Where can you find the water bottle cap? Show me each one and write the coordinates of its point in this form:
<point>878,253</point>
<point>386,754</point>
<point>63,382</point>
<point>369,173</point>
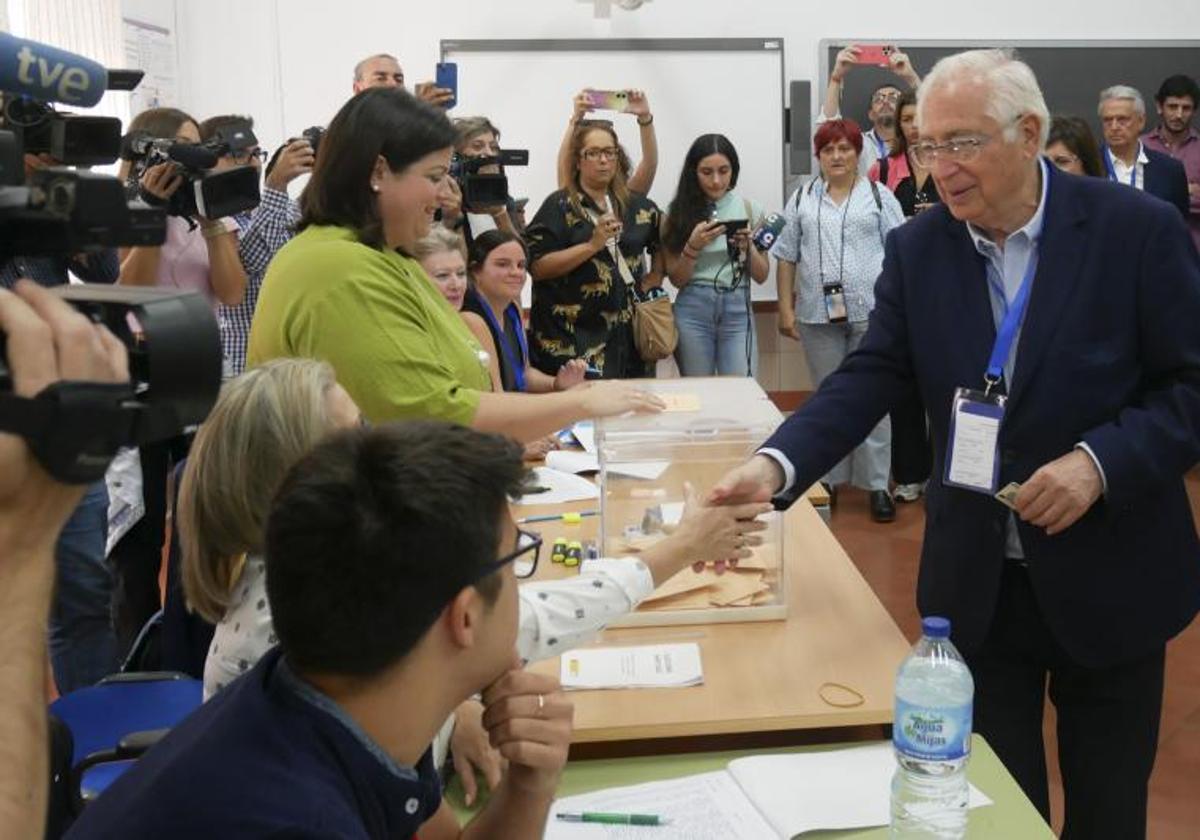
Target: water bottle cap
<point>936,627</point>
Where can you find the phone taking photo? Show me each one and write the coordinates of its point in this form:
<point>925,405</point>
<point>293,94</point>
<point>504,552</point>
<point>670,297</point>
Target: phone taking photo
<point>608,100</point>
<point>446,76</point>
<point>877,54</point>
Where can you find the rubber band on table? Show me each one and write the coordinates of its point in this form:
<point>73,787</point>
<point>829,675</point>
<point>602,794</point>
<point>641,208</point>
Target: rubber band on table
<point>841,704</point>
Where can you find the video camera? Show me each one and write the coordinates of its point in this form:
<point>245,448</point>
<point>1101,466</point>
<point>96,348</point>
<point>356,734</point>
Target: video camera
<point>74,428</point>
<point>61,210</point>
<point>204,192</point>
<point>485,189</point>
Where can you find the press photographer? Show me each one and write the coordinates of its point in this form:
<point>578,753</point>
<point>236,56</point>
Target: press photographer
<point>263,230</point>
<point>480,185</point>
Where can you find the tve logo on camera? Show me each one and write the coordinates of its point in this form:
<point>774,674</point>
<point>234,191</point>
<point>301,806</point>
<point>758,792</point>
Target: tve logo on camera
<point>70,84</point>
<point>48,73</point>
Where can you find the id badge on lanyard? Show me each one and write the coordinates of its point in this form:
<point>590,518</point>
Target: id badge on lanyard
<point>972,461</point>
<point>971,456</point>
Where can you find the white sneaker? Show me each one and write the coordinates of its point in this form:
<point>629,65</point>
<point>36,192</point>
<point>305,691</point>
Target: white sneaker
<point>908,492</point>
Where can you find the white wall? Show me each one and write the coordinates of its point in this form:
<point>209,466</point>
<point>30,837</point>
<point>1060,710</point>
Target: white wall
<point>229,61</point>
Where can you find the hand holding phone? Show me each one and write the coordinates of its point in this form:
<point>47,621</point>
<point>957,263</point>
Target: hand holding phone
<point>877,54</point>
<point>446,78</point>
<point>608,100</point>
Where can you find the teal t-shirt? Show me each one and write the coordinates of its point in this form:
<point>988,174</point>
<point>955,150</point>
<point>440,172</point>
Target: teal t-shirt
<point>712,264</point>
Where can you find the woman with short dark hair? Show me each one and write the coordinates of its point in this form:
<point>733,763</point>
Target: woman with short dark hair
<point>347,290</point>
<point>711,265</point>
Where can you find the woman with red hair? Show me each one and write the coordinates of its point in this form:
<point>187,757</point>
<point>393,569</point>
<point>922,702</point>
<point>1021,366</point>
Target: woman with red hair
<point>829,256</point>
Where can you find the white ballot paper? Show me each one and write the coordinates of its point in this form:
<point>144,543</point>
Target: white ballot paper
<point>557,487</point>
<point>641,666</point>
<point>585,433</point>
<point>761,797</point>
<point>571,461</point>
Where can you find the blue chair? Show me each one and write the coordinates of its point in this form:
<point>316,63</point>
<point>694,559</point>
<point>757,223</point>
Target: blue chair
<point>118,719</point>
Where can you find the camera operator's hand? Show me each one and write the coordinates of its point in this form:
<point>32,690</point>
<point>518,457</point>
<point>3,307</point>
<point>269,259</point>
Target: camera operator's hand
<point>741,238</point>
<point>434,95</point>
<point>295,160</point>
<point>47,341</point>
<point>607,227</point>
<point>162,180</point>
<point>846,59</point>
<point>450,199</point>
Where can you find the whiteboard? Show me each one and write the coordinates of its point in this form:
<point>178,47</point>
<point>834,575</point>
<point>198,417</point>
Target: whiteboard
<point>695,86</point>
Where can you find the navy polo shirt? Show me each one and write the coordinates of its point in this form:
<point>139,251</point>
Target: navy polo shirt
<point>269,756</point>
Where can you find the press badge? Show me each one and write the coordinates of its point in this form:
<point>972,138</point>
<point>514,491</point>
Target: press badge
<point>972,460</point>
<point>835,303</point>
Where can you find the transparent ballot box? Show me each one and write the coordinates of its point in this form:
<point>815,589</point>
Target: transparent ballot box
<point>710,426</point>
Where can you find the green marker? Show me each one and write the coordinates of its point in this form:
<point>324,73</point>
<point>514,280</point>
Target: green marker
<point>613,819</point>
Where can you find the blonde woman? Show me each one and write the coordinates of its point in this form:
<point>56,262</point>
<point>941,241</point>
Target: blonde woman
<point>269,417</point>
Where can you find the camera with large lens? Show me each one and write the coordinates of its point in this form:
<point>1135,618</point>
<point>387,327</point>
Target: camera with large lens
<point>205,191</point>
<point>482,179</point>
<point>74,428</point>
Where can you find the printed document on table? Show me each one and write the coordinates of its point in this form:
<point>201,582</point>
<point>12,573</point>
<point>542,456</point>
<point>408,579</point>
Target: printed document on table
<point>585,433</point>
<point>570,461</point>
<point>708,806</point>
<point>641,666</point>
<point>560,487</point>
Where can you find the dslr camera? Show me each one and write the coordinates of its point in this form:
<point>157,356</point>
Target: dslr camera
<point>482,189</point>
<point>204,192</point>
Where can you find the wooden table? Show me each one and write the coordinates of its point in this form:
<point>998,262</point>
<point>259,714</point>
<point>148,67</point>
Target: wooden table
<point>759,677</point>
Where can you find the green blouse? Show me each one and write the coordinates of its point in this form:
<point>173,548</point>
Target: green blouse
<point>397,346</point>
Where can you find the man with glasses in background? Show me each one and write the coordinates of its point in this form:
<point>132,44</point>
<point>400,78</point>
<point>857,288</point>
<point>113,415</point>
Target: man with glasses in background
<point>882,113</point>
<point>1049,323</point>
<point>261,231</point>
<point>1177,100</point>
<point>1126,159</point>
<point>394,599</point>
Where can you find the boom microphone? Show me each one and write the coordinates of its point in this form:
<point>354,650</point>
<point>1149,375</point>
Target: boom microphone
<point>49,74</point>
<point>768,231</point>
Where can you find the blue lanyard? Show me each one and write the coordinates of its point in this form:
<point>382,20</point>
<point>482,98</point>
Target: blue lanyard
<point>1014,313</point>
<point>880,146</point>
<point>1112,172</point>
<point>511,316</point>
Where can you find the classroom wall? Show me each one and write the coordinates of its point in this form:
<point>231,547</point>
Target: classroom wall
<point>229,59</point>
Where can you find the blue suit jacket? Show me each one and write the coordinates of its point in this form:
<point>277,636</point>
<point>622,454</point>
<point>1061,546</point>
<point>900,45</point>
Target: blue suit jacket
<point>1167,179</point>
<point>1109,354</point>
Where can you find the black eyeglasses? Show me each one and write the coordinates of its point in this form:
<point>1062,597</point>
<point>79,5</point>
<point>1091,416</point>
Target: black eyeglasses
<point>246,158</point>
<point>524,558</point>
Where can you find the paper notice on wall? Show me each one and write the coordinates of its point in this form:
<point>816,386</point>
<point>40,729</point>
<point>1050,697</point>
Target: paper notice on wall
<point>151,48</point>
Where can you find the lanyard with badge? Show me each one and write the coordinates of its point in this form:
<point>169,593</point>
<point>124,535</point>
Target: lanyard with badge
<point>1111,167</point>
<point>976,416</point>
<point>512,319</point>
<point>834,292</point>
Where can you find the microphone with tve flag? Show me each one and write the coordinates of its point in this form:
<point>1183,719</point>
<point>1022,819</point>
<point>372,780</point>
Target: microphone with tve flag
<point>49,74</point>
<point>768,231</point>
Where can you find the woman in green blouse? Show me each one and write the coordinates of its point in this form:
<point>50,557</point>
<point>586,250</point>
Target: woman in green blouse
<point>346,291</point>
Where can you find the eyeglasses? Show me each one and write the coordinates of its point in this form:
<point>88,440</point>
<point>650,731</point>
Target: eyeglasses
<point>597,154</point>
<point>886,96</point>
<point>963,149</point>
<point>524,558</point>
<point>247,157</point>
<point>1064,160</point>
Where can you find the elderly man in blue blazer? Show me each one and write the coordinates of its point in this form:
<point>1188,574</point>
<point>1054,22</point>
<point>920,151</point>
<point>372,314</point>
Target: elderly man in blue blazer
<point>1122,113</point>
<point>1049,322</point>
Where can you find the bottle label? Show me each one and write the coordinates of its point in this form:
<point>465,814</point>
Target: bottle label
<point>932,734</point>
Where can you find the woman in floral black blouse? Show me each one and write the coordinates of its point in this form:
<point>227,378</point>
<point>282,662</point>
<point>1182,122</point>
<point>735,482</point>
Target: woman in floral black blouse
<point>582,307</point>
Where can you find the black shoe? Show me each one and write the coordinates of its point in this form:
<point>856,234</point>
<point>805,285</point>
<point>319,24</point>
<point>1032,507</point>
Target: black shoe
<point>883,509</point>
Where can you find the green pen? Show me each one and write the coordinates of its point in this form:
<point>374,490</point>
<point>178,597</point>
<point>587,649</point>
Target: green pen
<point>613,819</point>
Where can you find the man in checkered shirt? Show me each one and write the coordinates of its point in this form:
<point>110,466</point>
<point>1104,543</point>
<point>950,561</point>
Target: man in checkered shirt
<point>261,231</point>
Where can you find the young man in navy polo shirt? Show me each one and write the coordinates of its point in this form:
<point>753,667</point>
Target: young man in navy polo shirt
<point>390,574</point>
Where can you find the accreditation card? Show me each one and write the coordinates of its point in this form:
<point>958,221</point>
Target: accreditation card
<point>972,456</point>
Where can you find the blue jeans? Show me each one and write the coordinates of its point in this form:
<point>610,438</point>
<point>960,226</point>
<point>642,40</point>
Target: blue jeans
<point>83,646</point>
<point>716,331</point>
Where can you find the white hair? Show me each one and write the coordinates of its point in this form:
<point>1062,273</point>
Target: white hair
<point>1122,92</point>
<point>1012,89</point>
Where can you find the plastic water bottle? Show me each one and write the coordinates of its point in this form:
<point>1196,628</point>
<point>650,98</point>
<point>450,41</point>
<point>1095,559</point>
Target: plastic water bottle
<point>932,738</point>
